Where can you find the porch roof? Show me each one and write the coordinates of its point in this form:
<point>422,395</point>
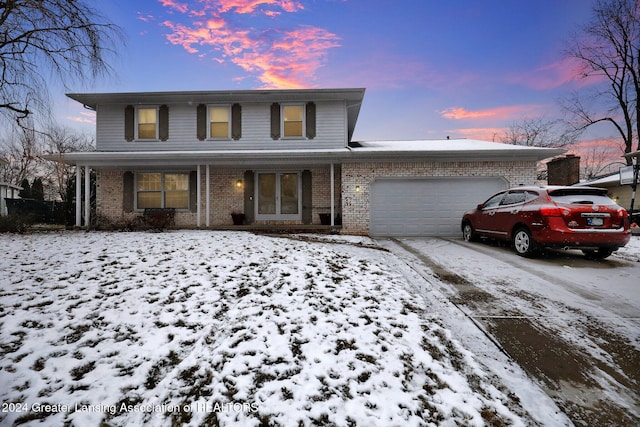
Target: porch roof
<point>365,151</point>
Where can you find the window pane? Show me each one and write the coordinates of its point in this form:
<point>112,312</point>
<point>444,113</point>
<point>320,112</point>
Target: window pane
<point>147,131</point>
<point>176,181</point>
<point>150,199</point>
<point>147,123</point>
<point>219,130</point>
<point>292,120</point>
<point>293,129</point>
<point>147,115</point>
<point>218,122</point>
<point>176,199</point>
<point>293,113</point>
<point>149,181</point>
<point>267,193</point>
<point>289,193</point>
<point>219,114</point>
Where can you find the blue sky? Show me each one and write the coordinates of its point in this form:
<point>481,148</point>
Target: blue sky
<point>432,68</point>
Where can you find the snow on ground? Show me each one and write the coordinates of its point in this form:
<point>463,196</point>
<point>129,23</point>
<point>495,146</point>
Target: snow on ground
<point>231,328</point>
<point>582,315</point>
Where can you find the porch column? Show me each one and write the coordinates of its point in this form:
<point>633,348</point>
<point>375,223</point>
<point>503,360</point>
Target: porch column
<point>87,196</point>
<point>332,174</point>
<point>208,197</point>
<point>199,196</point>
<point>78,195</point>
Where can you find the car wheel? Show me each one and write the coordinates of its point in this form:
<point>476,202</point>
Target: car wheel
<point>523,243</point>
<point>600,253</point>
<point>467,233</point>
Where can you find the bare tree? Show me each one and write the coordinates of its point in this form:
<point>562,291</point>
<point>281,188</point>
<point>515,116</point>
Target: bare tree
<point>63,38</point>
<point>539,132</point>
<point>60,140</point>
<point>21,150</point>
<point>608,50</point>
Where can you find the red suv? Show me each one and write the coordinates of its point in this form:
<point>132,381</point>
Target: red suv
<point>561,217</point>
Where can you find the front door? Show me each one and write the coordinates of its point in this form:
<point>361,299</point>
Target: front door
<point>278,195</point>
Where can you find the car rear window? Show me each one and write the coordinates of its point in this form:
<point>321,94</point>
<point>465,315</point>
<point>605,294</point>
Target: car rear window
<point>587,197</point>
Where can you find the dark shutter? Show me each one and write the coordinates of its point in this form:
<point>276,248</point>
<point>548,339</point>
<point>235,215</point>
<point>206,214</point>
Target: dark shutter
<point>163,122</point>
<point>307,201</point>
<point>249,205</point>
<point>275,121</point>
<point>129,123</point>
<point>201,125</point>
<point>127,192</point>
<point>236,121</point>
<point>193,191</point>
<point>311,120</point>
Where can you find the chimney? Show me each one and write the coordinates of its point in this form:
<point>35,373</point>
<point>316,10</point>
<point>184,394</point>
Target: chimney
<point>564,170</point>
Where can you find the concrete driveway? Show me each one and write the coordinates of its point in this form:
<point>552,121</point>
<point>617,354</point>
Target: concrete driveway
<point>572,324</point>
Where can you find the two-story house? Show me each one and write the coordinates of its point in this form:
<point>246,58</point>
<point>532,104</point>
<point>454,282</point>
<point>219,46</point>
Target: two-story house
<point>282,157</point>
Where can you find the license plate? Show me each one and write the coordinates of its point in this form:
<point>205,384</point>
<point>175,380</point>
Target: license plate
<point>595,221</point>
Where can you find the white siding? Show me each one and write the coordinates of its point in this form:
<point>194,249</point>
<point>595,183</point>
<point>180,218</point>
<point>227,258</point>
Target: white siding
<point>331,130</point>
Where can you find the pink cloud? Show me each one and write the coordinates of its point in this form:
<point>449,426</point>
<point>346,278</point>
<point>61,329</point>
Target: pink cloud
<point>249,6</point>
<point>554,75</point>
<point>277,57</point>
<point>501,113</point>
<point>483,134</point>
<point>180,7</point>
<point>83,117</point>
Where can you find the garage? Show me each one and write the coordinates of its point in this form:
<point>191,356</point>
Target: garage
<point>426,206</point>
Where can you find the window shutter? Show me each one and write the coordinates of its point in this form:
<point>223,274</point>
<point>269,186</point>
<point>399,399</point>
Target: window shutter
<point>127,192</point>
<point>236,121</point>
<point>163,122</point>
<point>307,201</point>
<point>193,191</point>
<point>311,120</point>
<point>201,125</point>
<point>275,121</point>
<point>249,205</point>
<point>129,123</point>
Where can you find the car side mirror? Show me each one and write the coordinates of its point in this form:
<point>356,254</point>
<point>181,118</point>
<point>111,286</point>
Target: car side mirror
<point>480,206</point>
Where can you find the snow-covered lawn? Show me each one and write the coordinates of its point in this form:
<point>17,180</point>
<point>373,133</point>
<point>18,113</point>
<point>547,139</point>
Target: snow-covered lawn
<point>231,328</point>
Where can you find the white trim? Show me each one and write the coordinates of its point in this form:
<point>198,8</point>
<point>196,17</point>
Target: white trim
<point>208,196</point>
<point>78,195</point>
<point>87,196</point>
<point>198,196</point>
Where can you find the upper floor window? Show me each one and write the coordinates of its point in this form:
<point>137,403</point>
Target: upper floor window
<point>219,123</point>
<point>292,121</point>
<point>147,123</point>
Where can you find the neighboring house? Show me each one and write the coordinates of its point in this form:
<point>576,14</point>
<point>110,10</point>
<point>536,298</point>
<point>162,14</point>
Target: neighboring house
<point>7,191</point>
<point>620,193</point>
<point>282,157</point>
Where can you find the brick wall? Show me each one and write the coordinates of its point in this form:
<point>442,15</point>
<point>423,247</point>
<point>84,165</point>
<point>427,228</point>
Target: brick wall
<point>359,176</point>
<point>225,197</point>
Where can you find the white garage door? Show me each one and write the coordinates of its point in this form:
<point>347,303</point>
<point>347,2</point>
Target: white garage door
<point>426,206</point>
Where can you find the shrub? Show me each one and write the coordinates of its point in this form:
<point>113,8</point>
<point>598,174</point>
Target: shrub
<point>15,223</point>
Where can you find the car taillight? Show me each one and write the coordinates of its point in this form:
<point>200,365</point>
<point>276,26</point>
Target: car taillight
<point>553,211</point>
<point>622,213</point>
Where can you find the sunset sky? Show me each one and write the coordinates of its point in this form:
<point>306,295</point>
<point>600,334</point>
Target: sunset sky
<point>432,68</point>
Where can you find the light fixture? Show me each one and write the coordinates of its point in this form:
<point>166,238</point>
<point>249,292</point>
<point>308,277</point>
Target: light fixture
<point>239,183</point>
<point>357,188</point>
